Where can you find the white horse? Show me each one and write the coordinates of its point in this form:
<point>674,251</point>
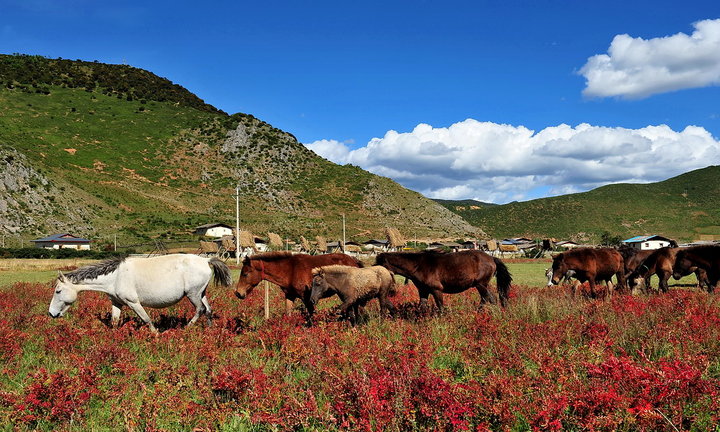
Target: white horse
<point>565,279</point>
<point>156,282</point>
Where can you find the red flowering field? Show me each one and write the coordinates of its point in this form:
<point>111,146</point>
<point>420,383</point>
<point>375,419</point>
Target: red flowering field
<point>548,362</point>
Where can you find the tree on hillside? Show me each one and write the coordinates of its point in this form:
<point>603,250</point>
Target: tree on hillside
<point>607,239</point>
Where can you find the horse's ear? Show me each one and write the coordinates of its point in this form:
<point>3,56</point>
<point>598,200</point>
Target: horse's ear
<point>61,276</point>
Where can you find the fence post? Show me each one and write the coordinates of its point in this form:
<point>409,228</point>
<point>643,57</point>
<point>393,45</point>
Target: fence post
<point>267,300</point>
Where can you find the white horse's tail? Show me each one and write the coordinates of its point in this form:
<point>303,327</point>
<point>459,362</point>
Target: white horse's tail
<point>221,272</point>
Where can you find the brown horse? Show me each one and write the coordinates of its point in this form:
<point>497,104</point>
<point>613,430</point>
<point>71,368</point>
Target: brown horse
<point>706,258</point>
<point>661,263</point>
<point>354,286</point>
<point>437,273</point>
<point>291,272</point>
<point>591,265</point>
<point>633,258</point>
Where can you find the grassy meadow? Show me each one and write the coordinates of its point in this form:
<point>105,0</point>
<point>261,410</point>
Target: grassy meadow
<point>547,362</point>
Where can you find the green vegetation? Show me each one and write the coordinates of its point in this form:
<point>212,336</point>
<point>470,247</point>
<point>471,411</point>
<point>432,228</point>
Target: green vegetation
<point>35,74</point>
<point>542,361</point>
<point>683,207</point>
<point>118,150</point>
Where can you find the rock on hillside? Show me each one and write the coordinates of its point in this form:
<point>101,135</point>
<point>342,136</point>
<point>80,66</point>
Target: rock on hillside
<point>28,199</point>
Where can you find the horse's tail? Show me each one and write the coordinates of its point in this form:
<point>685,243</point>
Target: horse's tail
<point>221,272</point>
<point>393,285</point>
<point>504,279</point>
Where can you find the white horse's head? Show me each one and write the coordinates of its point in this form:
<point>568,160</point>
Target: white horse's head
<point>65,295</point>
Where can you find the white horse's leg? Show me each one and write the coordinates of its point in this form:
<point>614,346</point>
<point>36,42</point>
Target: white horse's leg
<point>115,314</point>
<point>208,311</point>
<point>197,301</point>
<point>138,309</point>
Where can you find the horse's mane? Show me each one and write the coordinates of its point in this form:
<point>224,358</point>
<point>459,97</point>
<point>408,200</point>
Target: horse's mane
<point>627,251</point>
<point>271,256</point>
<point>95,270</point>
<point>334,268</point>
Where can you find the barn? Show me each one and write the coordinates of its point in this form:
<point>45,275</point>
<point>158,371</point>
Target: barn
<point>649,242</point>
<point>62,241</point>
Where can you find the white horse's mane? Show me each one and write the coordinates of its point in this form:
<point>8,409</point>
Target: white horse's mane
<point>93,271</point>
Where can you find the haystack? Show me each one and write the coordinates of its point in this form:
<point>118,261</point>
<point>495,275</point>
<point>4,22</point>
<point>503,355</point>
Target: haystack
<point>275,240</point>
<point>394,238</point>
<point>321,244</point>
<point>304,244</point>
<point>246,240</point>
<point>492,245</point>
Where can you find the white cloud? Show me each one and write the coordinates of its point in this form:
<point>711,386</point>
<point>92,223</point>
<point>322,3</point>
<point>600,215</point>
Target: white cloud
<point>330,149</point>
<point>500,163</point>
<point>635,68</point>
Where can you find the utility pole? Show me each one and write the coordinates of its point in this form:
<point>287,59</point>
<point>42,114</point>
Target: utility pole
<point>343,243</point>
<point>237,225</point>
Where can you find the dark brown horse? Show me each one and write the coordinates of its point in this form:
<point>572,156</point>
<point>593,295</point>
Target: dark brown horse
<point>633,258</point>
<point>661,263</point>
<point>591,265</point>
<point>706,258</point>
<point>437,273</point>
<point>291,272</point>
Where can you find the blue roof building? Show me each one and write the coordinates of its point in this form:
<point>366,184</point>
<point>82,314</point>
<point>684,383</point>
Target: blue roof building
<point>649,242</point>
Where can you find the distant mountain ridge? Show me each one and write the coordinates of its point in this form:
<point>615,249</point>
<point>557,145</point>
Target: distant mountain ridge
<point>684,207</point>
<point>109,149</point>
<point>467,204</point>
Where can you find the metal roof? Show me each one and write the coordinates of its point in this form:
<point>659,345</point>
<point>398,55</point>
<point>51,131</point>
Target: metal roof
<point>640,239</point>
<point>62,237</point>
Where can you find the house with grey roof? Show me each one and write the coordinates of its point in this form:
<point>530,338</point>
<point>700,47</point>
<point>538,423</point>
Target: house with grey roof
<point>62,241</point>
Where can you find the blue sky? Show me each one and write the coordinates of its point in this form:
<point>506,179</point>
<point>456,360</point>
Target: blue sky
<point>486,77</point>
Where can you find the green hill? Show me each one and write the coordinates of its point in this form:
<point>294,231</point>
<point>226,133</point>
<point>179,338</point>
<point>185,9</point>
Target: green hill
<point>462,205</point>
<point>100,150</point>
<point>683,207</point>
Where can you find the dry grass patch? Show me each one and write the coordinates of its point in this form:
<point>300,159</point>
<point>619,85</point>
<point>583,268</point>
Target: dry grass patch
<point>18,264</point>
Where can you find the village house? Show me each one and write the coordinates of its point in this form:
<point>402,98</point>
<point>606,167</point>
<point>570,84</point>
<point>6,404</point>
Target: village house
<point>62,241</point>
<point>440,244</point>
<point>217,230</point>
<point>376,245</point>
<point>566,244</point>
<point>649,242</point>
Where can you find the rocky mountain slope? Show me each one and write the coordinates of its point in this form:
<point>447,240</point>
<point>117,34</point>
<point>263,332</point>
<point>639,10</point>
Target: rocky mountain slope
<point>103,150</point>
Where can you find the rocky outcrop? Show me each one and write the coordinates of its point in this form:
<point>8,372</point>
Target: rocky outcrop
<point>30,202</point>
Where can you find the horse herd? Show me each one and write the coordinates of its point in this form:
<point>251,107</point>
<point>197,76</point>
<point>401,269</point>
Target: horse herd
<point>633,268</point>
<point>163,281</point>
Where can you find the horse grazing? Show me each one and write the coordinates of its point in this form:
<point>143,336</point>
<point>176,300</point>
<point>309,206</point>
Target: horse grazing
<point>591,265</point>
<point>438,272</point>
<point>157,282</point>
<point>633,258</point>
<point>291,272</point>
<point>705,258</point>
<point>564,279</point>
<point>354,286</point>
<point>660,262</point>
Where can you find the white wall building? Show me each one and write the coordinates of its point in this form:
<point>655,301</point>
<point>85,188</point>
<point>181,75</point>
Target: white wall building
<point>648,242</point>
<point>217,230</point>
<point>62,241</point>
